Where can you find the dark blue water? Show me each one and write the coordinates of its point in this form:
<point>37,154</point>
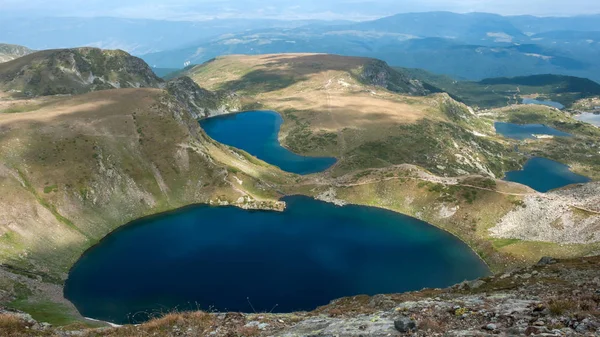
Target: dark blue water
<point>256,132</point>
<point>314,252</point>
<point>543,175</point>
<point>526,131</point>
<point>547,103</point>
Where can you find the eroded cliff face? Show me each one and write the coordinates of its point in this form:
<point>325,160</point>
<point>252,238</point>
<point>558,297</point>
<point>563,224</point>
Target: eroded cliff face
<point>552,298</point>
<point>201,103</point>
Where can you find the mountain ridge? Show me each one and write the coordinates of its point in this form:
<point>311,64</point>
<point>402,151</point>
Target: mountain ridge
<point>75,71</point>
<point>9,52</point>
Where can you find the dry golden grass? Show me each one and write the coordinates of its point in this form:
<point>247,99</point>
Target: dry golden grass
<point>319,88</point>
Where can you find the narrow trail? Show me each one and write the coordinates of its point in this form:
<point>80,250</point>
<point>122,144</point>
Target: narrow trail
<point>380,180</point>
<point>340,133</point>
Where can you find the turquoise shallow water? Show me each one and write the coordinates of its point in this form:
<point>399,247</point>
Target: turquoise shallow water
<point>543,175</point>
<point>256,132</point>
<point>221,258</point>
<point>526,131</point>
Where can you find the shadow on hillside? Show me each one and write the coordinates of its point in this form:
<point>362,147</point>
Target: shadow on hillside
<point>280,72</point>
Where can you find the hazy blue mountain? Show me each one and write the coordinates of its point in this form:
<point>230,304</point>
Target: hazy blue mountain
<point>469,46</point>
<point>472,27</point>
<point>533,24</point>
<point>136,36</point>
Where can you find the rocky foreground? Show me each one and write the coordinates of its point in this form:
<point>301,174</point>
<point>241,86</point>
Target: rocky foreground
<point>552,298</point>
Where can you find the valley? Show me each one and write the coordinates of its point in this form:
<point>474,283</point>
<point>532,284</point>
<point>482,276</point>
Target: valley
<point>79,165</point>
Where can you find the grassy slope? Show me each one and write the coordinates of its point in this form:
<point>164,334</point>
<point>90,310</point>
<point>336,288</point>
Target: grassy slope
<point>500,92</point>
<point>372,130</point>
<point>330,111</point>
<point>75,170</point>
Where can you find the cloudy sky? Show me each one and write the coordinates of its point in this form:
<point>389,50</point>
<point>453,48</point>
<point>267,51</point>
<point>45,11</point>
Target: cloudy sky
<point>287,9</point>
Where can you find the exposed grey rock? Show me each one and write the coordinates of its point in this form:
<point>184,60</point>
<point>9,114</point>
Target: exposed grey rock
<point>491,327</point>
<point>546,260</point>
<point>405,324</point>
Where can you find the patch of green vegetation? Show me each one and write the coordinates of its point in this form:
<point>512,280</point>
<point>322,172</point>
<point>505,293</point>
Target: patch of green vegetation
<point>429,144</point>
<point>50,189</point>
<point>42,310</point>
<point>48,205</point>
<point>482,182</point>
<point>45,311</point>
<point>499,243</point>
<point>22,108</point>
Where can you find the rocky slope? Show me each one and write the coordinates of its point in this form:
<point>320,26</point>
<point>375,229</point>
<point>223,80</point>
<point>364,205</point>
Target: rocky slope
<point>75,71</point>
<point>552,298</point>
<point>9,52</point>
<point>202,103</point>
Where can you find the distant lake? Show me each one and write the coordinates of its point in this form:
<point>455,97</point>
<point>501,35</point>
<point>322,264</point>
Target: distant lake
<point>547,103</point>
<point>543,175</point>
<point>589,117</point>
<point>526,131</point>
<point>229,259</point>
<point>256,132</point>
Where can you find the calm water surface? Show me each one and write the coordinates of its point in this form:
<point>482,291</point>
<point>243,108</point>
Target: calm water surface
<point>543,175</point>
<point>313,252</point>
<point>256,132</point>
<point>540,102</point>
<point>526,131</point>
<point>589,117</point>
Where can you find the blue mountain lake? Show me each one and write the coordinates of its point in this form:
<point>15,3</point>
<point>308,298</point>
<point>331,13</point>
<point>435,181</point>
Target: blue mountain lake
<point>589,117</point>
<point>540,102</point>
<point>526,131</point>
<point>543,175</point>
<point>256,132</point>
<point>229,259</point>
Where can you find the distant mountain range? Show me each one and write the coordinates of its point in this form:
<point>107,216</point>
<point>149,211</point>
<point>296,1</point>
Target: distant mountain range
<point>468,46</point>
<point>136,36</point>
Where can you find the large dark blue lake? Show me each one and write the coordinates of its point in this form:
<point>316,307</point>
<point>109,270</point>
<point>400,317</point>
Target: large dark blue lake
<point>543,175</point>
<point>256,132</point>
<point>224,258</point>
<point>526,131</point>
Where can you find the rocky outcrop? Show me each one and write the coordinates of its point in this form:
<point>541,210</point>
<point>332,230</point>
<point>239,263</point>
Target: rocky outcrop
<point>9,52</point>
<point>202,103</point>
<point>379,73</point>
<point>75,71</point>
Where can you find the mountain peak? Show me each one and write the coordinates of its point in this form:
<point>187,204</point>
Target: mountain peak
<point>75,71</point>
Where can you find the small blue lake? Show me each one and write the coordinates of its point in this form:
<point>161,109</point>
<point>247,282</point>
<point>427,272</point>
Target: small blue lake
<point>543,175</point>
<point>526,131</point>
<point>546,103</point>
<point>224,258</point>
<point>256,132</point>
<point>589,117</point>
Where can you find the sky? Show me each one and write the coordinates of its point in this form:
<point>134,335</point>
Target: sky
<point>287,9</point>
